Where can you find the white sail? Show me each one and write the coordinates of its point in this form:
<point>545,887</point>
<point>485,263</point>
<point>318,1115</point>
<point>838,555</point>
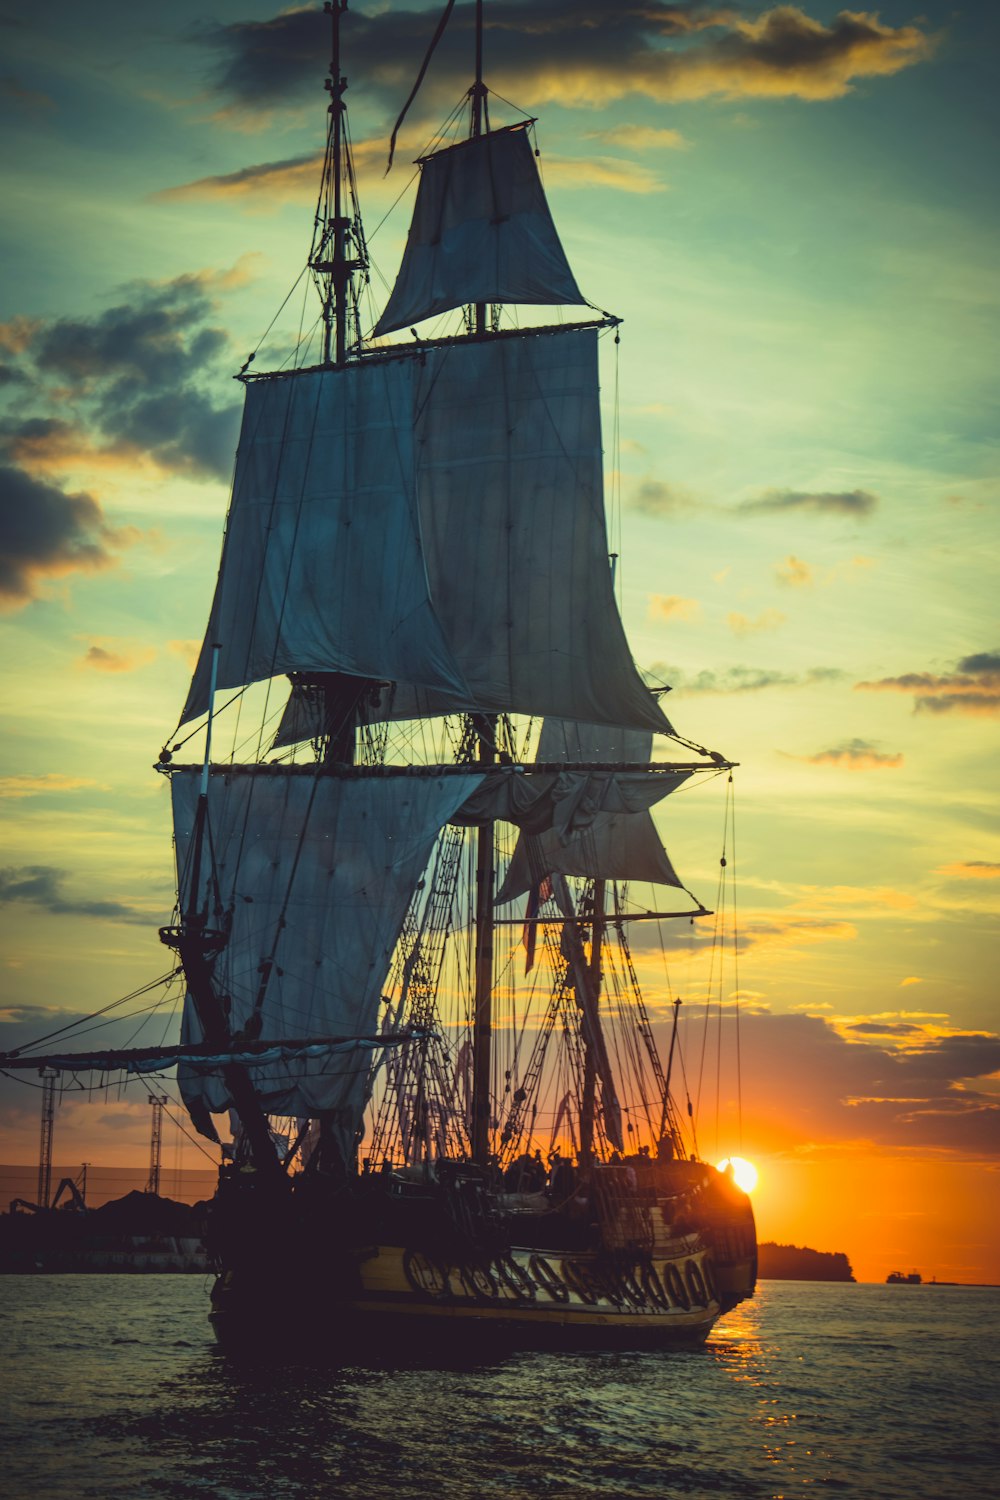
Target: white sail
<point>481,232</point>
<point>314,874</point>
<point>612,845</point>
<point>322,567</point>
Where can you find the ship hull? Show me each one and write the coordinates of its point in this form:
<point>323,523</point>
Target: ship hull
<point>401,1297</point>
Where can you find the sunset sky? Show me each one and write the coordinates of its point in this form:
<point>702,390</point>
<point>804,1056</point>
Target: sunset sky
<point>794,212</point>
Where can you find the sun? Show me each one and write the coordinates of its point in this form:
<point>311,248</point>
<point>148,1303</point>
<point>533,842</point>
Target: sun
<point>744,1172</point>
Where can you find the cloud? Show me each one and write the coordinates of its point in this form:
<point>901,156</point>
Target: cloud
<point>38,785</point>
<point>852,755</point>
<point>972,869</point>
<point>858,503</point>
<point>295,178</point>
<point>910,979</point>
<point>23,97</point>
<point>886,1028</point>
<point>792,931</point>
<point>972,687</point>
<point>573,52</point>
<point>46,533</point>
<point>890,1085</point>
<point>41,886</point>
<point>768,619</point>
<point>138,376</point>
<point>187,651</point>
<point>9,375</point>
<point>602,171</point>
<point>673,607</point>
<point>740,679</point>
<point>641,138</point>
<point>794,573</point>
<point>654,497</point>
<point>116,657</point>
<point>16,335</point>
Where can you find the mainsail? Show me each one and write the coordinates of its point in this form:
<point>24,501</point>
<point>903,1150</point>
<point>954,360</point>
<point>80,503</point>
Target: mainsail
<point>311,875</point>
<point>481,232</point>
<point>435,521</point>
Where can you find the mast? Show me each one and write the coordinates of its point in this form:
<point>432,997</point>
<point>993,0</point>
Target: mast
<point>482,1036</point>
<point>478,103</point>
<point>486,729</point>
<point>329,256</point>
<point>588,1097</point>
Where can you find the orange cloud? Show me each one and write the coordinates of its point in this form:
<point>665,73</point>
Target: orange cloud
<point>186,650</point>
<point>972,688</point>
<point>601,171</point>
<point>673,607</point>
<point>47,445</point>
<point>794,573</point>
<point>17,334</point>
<point>641,138</point>
<point>792,931</point>
<point>295,178</point>
<point>971,869</point>
<point>768,619</point>
<point>853,755</point>
<point>104,656</point>
<point>37,786</point>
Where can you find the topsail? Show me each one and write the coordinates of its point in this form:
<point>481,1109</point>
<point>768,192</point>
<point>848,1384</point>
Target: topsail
<point>481,232</point>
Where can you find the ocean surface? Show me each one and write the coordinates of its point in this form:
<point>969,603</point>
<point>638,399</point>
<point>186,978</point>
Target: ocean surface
<point>112,1386</point>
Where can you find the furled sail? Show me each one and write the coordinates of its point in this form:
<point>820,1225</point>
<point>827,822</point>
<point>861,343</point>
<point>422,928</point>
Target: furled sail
<point>481,232</point>
<point>511,511</point>
<point>322,567</point>
<point>314,875</point>
<point>613,845</point>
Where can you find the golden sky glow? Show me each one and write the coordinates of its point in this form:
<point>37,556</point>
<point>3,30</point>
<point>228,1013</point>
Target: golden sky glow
<point>787,206</point>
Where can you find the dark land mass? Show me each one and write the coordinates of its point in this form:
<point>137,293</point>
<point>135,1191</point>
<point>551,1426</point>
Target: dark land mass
<point>792,1263</point>
<point>140,1232</point>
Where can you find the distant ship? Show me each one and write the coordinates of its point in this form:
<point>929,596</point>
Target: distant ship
<point>899,1278</point>
<point>417,540</point>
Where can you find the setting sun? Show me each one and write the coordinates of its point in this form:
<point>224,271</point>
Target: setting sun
<point>744,1172</point>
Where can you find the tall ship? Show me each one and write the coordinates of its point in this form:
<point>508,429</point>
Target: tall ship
<point>412,1018</point>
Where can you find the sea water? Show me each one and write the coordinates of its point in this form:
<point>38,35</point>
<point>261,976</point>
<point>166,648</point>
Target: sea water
<point>113,1386</point>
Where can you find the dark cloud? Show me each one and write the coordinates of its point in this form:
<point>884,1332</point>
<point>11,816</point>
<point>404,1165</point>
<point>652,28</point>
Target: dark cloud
<point>138,375</point>
<point>885,1028</point>
<point>858,503</point>
<point>743,679</point>
<point>45,533</point>
<point>10,375</point>
<point>572,51</point>
<point>920,1095</point>
<point>654,497</point>
<point>41,886</point>
<point>294,177</point>
<point>972,687</point>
